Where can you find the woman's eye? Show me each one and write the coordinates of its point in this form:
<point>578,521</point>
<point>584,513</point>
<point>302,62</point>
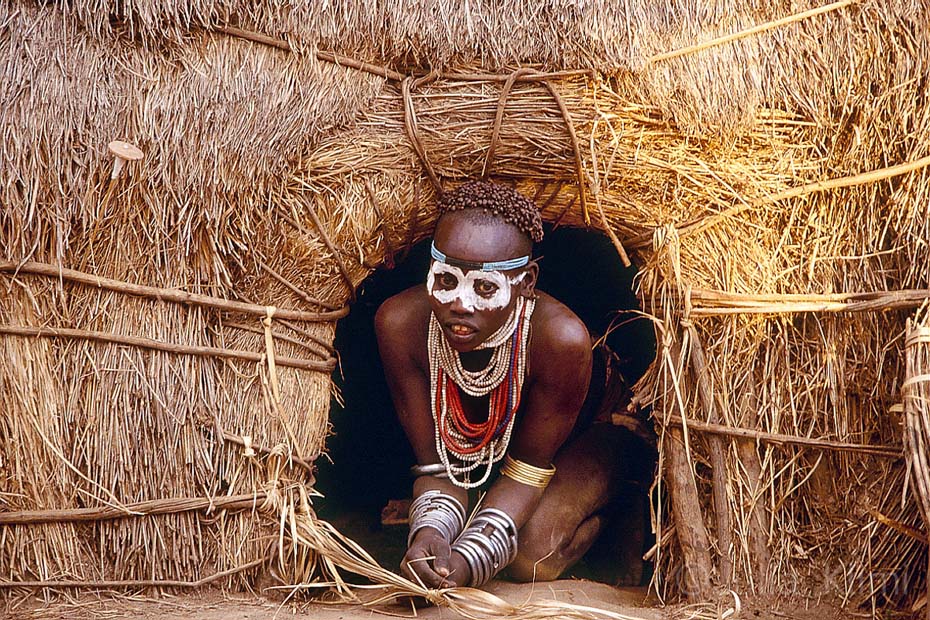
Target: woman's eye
<point>485,288</point>
<point>447,281</point>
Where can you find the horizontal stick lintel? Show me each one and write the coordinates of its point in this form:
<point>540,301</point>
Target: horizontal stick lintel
<point>137,509</point>
<point>164,294</point>
<point>158,345</point>
<point>777,438</point>
<point>715,303</point>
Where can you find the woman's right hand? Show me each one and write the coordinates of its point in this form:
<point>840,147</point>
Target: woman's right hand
<point>429,561</point>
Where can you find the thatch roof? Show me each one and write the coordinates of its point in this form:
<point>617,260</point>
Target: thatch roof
<point>273,175</point>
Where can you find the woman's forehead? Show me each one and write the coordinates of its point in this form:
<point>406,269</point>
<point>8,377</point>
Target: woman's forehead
<point>480,242</point>
<point>468,275</point>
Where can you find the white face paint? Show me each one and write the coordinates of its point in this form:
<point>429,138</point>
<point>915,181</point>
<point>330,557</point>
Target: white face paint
<point>473,290</point>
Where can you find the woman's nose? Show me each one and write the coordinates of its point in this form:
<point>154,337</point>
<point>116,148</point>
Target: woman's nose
<point>460,307</point>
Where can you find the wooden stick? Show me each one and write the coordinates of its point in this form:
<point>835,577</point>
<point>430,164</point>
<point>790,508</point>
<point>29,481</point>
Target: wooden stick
<point>390,74</point>
<point>340,264</point>
<point>339,59</point>
<point>164,294</point>
<point>894,452</point>
<point>717,458</point>
<point>410,127</point>
<point>691,49</point>
<point>686,508</point>
<point>295,289</point>
<point>312,337</point>
<point>717,303</point>
<point>541,76</point>
<point>133,583</point>
<point>579,166</point>
<point>654,549</point>
<point>139,509</point>
<point>697,225</point>
<point>711,297</point>
<point>157,345</point>
<point>904,528</point>
<point>499,119</point>
<point>257,330</point>
<point>239,441</point>
<point>757,516</point>
<point>689,521</point>
<point>614,239</point>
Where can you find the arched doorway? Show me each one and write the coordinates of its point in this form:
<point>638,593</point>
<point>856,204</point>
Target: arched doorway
<point>369,457</point>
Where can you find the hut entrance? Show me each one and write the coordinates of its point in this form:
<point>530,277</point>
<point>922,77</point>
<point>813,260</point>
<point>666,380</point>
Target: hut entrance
<point>366,479</point>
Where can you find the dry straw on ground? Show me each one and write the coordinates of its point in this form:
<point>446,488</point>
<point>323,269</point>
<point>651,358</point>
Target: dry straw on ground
<point>771,189</point>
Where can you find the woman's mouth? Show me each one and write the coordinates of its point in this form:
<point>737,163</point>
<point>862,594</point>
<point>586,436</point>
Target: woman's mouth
<point>460,335</point>
<point>461,330</point>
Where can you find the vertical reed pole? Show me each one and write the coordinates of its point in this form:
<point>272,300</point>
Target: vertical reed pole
<point>717,457</point>
<point>915,392</point>
<point>686,509</point>
<point>757,515</point>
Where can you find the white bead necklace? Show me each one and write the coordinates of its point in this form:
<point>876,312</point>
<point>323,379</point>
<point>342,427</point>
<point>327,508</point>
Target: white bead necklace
<point>478,383</point>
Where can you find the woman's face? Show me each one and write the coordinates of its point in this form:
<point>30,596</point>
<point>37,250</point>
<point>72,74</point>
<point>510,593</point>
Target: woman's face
<point>471,304</point>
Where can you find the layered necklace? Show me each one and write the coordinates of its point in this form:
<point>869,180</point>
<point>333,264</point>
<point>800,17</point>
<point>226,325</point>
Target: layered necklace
<point>469,444</point>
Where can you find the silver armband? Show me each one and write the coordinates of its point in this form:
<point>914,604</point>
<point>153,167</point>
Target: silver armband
<point>488,544</point>
<point>433,469</point>
<point>437,510</point>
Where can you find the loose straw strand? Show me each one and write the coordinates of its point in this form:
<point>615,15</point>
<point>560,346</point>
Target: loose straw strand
<point>863,178</point>
<point>340,264</point>
<point>692,49</point>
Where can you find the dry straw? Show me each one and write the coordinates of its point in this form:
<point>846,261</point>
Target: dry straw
<point>916,394</point>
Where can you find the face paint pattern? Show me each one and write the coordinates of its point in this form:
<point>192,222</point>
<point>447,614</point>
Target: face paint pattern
<point>466,287</point>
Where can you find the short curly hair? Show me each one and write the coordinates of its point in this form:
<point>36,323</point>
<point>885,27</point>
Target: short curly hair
<point>501,201</point>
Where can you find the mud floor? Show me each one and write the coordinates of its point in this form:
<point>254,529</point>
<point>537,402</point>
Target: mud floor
<point>630,602</point>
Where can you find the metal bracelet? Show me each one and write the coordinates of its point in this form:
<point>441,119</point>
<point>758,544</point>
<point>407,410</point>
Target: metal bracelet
<point>488,544</point>
<point>432,469</point>
<point>439,511</point>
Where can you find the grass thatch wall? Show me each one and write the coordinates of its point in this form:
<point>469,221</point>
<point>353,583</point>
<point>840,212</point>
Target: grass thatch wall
<point>252,150</point>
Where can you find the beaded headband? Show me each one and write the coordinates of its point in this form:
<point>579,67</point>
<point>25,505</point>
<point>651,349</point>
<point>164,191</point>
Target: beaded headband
<point>501,265</point>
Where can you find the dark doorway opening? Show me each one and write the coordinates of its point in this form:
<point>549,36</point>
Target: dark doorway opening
<point>369,457</point>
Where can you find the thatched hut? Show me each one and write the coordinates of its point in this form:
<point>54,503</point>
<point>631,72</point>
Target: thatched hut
<point>167,328</point>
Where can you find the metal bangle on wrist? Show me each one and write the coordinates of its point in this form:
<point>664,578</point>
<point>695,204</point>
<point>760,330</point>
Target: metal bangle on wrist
<point>439,511</point>
<point>488,544</point>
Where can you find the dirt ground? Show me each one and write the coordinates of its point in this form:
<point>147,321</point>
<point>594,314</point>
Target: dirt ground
<point>630,602</point>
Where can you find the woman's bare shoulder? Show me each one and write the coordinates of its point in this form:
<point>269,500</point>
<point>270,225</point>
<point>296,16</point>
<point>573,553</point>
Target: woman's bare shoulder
<point>557,327</point>
<point>403,315</point>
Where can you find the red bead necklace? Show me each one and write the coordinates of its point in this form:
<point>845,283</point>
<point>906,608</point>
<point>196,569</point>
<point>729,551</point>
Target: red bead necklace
<point>504,402</point>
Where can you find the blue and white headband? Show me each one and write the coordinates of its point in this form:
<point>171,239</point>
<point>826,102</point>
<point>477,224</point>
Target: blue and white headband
<point>501,265</point>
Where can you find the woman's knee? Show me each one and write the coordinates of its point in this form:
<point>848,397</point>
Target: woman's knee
<point>549,546</point>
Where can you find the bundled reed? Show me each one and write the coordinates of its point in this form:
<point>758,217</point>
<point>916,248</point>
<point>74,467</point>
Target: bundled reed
<point>772,189</point>
<point>916,393</point>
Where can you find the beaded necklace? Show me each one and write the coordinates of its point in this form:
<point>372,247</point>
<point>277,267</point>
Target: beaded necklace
<point>475,444</point>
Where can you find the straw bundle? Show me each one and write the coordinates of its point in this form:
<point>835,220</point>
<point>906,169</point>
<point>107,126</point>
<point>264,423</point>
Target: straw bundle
<point>771,188</point>
<point>916,388</point>
<point>92,422</point>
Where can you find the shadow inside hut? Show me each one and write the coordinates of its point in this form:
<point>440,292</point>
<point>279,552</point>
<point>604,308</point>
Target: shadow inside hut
<point>370,456</point>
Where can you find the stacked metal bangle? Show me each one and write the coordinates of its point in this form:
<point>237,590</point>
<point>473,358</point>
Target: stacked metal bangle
<point>437,510</point>
<point>527,474</point>
<point>488,544</point>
